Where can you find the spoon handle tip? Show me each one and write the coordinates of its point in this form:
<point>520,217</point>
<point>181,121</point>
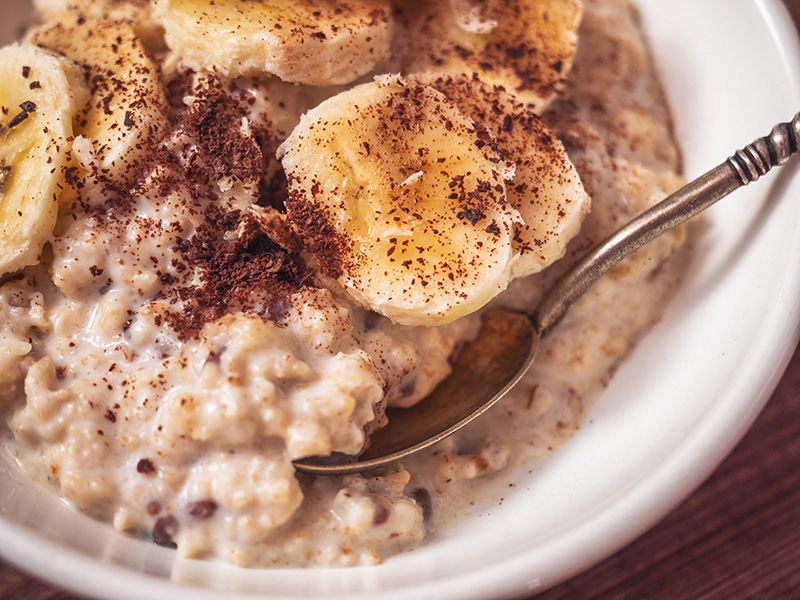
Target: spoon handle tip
<point>758,158</point>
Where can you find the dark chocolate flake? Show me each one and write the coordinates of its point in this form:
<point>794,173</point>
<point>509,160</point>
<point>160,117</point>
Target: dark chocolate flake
<point>470,214</point>
<point>19,118</point>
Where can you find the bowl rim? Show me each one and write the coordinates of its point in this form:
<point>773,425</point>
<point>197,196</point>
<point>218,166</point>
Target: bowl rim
<point>618,524</point>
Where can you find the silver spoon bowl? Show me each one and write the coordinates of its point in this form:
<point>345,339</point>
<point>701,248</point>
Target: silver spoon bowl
<point>488,367</point>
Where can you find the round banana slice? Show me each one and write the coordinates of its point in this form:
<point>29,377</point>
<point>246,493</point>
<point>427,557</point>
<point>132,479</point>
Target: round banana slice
<point>40,94</point>
<point>525,46</point>
<point>127,112</point>
<point>326,42</point>
<point>546,190</point>
<point>139,13</point>
<point>401,199</point>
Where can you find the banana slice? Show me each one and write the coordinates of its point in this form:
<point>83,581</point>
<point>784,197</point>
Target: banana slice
<point>327,42</point>
<point>40,94</point>
<point>546,190</point>
<point>401,199</point>
<point>139,13</point>
<point>127,113</point>
<point>525,46</point>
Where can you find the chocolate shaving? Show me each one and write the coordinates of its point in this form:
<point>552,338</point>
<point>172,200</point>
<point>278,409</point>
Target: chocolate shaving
<point>27,108</point>
<point>251,273</point>
<point>320,237</point>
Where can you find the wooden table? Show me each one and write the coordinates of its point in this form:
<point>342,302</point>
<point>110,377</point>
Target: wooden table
<point>736,537</point>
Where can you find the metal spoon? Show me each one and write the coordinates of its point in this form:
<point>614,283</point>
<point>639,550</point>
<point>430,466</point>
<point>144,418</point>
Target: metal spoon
<point>487,368</point>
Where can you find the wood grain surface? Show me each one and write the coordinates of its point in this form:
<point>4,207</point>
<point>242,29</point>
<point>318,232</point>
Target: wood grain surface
<point>736,537</point>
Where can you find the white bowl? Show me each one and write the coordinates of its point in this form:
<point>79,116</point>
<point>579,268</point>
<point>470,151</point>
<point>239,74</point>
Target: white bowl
<point>671,414</point>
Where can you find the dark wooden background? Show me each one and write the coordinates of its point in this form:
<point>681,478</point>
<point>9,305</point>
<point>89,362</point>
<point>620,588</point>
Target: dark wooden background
<point>736,537</point>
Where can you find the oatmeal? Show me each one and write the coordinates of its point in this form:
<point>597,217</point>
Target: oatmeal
<point>239,254</point>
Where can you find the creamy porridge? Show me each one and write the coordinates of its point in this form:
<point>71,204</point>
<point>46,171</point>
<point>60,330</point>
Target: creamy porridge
<point>229,244</point>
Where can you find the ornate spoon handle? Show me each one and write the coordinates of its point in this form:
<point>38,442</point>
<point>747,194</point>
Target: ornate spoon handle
<point>746,165</point>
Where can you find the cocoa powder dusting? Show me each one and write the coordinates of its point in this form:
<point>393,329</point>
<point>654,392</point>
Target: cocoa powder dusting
<point>320,238</point>
<point>214,125</point>
<point>217,144</point>
<point>233,254</point>
<point>250,273</point>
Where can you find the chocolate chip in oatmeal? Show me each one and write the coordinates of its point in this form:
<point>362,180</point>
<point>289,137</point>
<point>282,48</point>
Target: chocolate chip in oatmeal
<point>145,466</point>
<point>202,509</point>
<point>423,498</point>
<point>153,508</point>
<point>164,531</point>
<point>381,513</point>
